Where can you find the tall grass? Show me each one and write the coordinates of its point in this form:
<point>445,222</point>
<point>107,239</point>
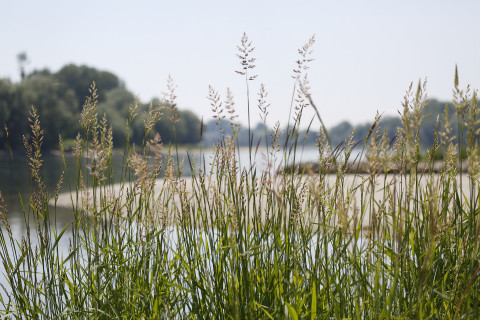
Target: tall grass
<point>231,242</point>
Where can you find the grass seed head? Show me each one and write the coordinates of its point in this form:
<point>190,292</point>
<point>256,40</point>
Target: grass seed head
<point>153,114</point>
<point>246,60</point>
<point>262,103</point>
<point>230,109</point>
<point>303,62</point>
<point>216,107</point>
<point>169,99</point>
<point>3,214</point>
<point>88,116</point>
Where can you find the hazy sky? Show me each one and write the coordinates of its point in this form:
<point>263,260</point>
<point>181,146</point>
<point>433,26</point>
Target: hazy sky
<point>366,52</point>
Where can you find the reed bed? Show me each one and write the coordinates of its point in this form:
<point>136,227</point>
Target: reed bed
<point>230,242</point>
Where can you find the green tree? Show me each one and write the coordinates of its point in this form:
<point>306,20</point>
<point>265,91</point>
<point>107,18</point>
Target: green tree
<point>22,61</point>
<point>339,133</point>
<point>115,105</point>
<point>7,98</point>
<point>56,105</point>
<point>79,78</point>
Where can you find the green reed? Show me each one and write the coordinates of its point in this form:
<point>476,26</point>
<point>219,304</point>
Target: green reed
<point>393,242</point>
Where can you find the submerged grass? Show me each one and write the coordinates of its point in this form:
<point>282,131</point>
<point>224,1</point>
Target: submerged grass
<point>231,242</point>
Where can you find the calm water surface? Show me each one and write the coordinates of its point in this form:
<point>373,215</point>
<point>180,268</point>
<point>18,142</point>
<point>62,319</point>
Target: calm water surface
<point>15,177</point>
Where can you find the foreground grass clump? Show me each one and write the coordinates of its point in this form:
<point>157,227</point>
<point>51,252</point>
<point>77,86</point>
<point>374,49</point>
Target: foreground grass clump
<point>233,242</point>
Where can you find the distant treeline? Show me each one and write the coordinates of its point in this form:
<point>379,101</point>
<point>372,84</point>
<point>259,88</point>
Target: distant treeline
<point>341,132</point>
<point>434,109</point>
<point>59,98</point>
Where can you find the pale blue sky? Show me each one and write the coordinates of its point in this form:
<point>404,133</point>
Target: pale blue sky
<point>366,54</point>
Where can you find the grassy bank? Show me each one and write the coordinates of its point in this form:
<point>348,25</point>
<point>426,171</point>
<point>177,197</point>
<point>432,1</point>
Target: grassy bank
<point>239,243</point>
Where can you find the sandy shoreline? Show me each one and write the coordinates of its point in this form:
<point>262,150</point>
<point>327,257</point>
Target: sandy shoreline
<point>183,187</point>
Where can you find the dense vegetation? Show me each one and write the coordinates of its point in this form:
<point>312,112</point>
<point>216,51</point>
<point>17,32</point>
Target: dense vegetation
<point>433,110</point>
<point>59,98</point>
<point>235,242</point>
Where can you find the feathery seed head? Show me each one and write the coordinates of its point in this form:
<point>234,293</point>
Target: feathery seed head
<point>88,117</point>
<point>262,103</point>
<point>304,60</point>
<point>229,107</point>
<point>246,61</point>
<point>4,213</point>
<point>153,114</point>
<point>216,106</point>
<point>169,98</point>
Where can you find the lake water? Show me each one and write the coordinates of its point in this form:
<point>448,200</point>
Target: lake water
<point>15,177</point>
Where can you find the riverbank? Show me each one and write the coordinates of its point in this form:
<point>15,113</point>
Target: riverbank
<point>353,198</point>
<point>312,168</point>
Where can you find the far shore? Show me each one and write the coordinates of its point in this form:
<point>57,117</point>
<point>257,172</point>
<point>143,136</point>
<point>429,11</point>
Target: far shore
<point>182,149</point>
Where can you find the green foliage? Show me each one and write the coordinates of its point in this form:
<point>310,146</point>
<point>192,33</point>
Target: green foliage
<point>236,243</point>
<point>341,132</point>
<point>433,110</point>
<point>55,104</point>
<point>79,79</point>
<point>59,98</point>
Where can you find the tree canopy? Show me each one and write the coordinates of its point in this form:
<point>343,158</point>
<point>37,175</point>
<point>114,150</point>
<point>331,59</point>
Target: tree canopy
<point>59,98</point>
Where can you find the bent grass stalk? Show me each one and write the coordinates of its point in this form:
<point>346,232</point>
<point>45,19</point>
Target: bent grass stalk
<point>396,242</point>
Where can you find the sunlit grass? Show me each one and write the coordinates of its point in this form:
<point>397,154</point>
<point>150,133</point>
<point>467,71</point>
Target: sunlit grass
<point>238,243</point>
